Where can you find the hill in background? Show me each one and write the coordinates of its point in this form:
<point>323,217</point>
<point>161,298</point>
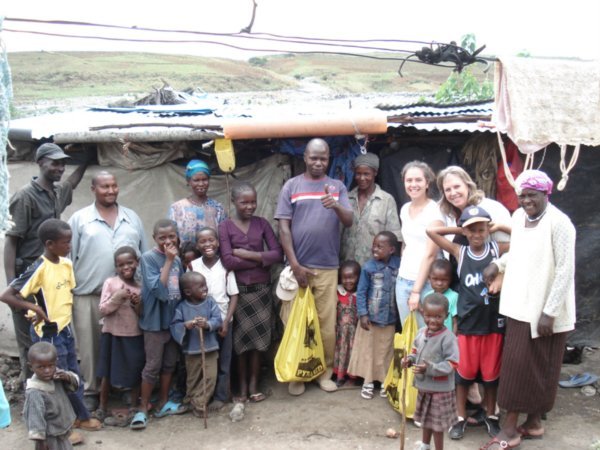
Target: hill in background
<point>44,81</point>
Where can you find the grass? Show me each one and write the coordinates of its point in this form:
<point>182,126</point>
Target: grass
<point>55,76</point>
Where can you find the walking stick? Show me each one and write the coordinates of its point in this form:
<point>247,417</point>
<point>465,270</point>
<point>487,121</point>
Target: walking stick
<point>205,412</point>
<point>403,400</point>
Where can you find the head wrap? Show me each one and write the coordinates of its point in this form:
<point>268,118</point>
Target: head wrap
<point>533,179</point>
<point>195,166</point>
<point>368,159</point>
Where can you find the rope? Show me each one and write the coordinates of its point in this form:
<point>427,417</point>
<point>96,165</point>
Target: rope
<point>566,168</point>
<point>5,98</point>
<point>507,172</point>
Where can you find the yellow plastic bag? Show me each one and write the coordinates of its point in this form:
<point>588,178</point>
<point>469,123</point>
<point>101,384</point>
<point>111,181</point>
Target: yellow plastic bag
<point>393,381</point>
<point>300,356</point>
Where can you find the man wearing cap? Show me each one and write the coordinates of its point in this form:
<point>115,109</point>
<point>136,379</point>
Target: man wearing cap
<point>310,209</point>
<point>45,197</point>
<point>98,231</point>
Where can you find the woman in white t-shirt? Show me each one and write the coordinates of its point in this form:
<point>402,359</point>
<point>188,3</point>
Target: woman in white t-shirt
<point>418,251</point>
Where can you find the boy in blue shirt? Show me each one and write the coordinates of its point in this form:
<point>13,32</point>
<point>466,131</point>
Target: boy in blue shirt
<point>161,269</point>
<point>198,311</point>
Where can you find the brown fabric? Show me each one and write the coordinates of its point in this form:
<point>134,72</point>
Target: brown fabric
<point>372,353</point>
<point>436,410</point>
<point>195,393</point>
<point>530,369</point>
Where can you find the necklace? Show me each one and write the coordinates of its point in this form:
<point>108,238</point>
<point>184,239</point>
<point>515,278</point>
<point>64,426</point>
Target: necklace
<point>537,218</point>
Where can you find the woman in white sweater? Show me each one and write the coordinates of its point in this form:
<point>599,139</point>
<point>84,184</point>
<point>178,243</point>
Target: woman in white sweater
<point>538,299</point>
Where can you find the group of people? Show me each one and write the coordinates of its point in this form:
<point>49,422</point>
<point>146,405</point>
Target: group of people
<point>203,293</point>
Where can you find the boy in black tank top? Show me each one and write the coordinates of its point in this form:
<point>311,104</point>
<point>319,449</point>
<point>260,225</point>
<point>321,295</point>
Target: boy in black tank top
<point>480,326</point>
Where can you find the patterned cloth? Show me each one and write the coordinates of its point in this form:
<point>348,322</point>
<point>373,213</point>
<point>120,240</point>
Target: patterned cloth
<point>534,179</point>
<point>253,321</point>
<point>379,214</point>
<point>347,319</point>
<point>436,410</point>
<point>191,218</point>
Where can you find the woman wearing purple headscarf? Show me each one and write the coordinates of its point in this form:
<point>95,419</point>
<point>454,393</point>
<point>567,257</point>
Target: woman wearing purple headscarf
<point>538,299</point>
<point>197,210</point>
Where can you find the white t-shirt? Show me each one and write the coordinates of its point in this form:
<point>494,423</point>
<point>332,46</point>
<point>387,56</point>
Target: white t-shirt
<point>415,239</point>
<point>218,287</point>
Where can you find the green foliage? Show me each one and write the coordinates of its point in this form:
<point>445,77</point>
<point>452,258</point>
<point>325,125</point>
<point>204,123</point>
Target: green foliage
<point>463,86</point>
<point>469,42</point>
<point>257,61</point>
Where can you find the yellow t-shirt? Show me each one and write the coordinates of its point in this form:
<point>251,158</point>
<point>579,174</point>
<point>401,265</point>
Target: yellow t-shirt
<point>49,283</point>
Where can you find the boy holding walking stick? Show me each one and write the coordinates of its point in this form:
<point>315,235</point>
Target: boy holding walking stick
<point>197,311</point>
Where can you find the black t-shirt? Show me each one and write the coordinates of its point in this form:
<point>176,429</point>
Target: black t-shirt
<point>477,310</point>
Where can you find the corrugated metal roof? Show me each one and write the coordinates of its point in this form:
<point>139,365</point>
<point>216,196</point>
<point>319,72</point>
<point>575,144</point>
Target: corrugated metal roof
<point>106,126</point>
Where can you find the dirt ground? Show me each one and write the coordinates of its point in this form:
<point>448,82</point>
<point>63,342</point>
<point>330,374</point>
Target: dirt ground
<point>337,420</point>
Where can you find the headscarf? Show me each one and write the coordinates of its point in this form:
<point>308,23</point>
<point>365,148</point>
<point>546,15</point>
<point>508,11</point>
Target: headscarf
<point>368,159</point>
<point>195,166</point>
<point>533,179</point>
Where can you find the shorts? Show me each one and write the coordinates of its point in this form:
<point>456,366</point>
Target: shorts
<point>480,357</point>
<point>161,355</point>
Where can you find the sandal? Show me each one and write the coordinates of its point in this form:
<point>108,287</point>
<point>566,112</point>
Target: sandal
<point>367,391</point>
<point>499,444</point>
<point>139,421</point>
<point>117,420</point>
<point>170,409</point>
<point>257,397</point>
<point>530,434</point>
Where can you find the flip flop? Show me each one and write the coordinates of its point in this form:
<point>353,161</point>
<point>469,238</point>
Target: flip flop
<point>581,379</point>
<point>170,409</point>
<point>257,397</point>
<point>499,444</point>
<point>139,421</point>
<point>527,434</point>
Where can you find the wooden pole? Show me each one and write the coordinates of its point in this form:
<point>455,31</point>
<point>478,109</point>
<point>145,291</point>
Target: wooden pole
<point>203,374</point>
<point>403,400</point>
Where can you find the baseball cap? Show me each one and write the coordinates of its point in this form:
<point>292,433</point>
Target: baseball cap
<point>473,214</point>
<point>50,151</point>
<point>287,287</point>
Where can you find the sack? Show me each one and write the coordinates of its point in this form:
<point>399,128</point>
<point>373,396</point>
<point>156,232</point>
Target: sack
<point>300,356</point>
<point>393,381</point>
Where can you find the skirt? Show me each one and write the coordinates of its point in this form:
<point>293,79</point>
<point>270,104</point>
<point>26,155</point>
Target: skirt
<point>121,360</point>
<point>530,369</point>
<point>372,352</point>
<point>345,328</point>
<point>253,319</point>
<point>436,410</point>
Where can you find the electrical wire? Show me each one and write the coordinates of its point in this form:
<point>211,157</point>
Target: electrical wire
<point>202,41</point>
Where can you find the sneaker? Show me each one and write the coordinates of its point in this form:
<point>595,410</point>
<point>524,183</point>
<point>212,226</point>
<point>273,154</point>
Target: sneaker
<point>457,431</point>
<point>367,391</point>
<point>382,392</point>
<point>493,425</point>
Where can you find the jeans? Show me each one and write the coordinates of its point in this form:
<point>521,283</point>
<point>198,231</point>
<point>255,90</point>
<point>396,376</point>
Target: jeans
<point>403,288</point>
<point>66,360</point>
<point>222,389</point>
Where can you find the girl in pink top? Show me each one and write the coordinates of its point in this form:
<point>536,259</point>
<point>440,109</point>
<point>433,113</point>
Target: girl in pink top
<point>122,344</point>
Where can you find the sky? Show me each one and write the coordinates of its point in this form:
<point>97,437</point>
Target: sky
<point>550,28</point>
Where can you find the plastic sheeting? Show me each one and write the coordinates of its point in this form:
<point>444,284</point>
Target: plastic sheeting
<point>150,193</point>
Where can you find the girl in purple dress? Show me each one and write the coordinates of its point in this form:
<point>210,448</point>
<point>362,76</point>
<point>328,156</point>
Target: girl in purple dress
<point>242,240</point>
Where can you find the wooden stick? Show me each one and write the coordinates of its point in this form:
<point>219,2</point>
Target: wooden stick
<point>403,399</point>
<point>203,374</point>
